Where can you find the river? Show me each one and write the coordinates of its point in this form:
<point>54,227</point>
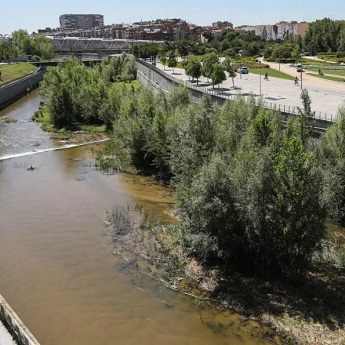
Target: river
<point>57,266</point>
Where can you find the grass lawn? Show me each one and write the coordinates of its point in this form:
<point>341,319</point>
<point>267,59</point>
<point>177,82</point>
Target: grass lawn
<point>327,77</point>
<point>335,72</point>
<point>15,70</point>
<point>43,117</point>
<point>271,73</point>
<point>134,83</point>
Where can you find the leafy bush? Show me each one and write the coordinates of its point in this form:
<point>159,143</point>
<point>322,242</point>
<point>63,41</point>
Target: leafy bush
<point>76,94</point>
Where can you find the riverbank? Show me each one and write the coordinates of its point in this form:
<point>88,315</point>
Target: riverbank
<point>155,252</point>
<point>310,313</point>
<point>78,135</point>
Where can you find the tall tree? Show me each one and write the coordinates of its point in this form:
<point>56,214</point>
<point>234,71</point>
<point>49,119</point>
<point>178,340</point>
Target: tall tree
<point>193,68</point>
<point>217,75</point>
<point>21,42</point>
<point>208,62</point>
<point>332,160</point>
<point>228,66</point>
<point>172,62</point>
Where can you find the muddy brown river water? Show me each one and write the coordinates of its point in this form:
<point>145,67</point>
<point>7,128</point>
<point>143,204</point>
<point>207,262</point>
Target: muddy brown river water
<point>57,267</point>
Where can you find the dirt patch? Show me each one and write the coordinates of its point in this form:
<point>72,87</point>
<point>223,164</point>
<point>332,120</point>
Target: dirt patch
<point>77,137</point>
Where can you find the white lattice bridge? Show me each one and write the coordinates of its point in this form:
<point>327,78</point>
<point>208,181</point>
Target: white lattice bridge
<point>82,44</point>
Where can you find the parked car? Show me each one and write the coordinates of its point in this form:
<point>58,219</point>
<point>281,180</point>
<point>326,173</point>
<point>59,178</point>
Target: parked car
<point>243,70</point>
<point>300,68</point>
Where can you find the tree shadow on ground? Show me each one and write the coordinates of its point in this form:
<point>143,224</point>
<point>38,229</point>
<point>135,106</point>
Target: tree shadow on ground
<point>320,298</point>
<point>176,73</point>
<point>204,84</point>
<point>222,89</point>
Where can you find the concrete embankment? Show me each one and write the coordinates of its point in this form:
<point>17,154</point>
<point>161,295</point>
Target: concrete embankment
<point>14,325</point>
<point>17,88</point>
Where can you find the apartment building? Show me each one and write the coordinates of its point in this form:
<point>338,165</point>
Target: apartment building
<point>277,31</point>
<point>81,21</point>
<point>219,25</point>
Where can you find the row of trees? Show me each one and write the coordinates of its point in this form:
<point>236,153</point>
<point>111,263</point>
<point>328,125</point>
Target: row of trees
<point>210,67</point>
<point>324,35</point>
<point>39,47</point>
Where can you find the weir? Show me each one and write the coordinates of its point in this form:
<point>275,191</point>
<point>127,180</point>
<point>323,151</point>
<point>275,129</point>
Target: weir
<point>65,147</point>
<point>12,329</point>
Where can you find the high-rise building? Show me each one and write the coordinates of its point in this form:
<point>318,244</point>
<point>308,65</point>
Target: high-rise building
<point>81,21</point>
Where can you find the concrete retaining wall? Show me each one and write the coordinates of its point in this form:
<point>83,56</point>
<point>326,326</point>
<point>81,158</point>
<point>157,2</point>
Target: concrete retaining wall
<point>149,75</point>
<point>14,325</point>
<point>19,87</point>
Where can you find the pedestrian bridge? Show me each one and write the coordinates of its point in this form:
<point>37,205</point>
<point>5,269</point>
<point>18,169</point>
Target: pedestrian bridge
<point>83,44</point>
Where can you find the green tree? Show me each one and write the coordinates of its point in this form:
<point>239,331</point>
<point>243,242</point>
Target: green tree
<point>179,97</point>
<point>323,35</point>
<point>163,59</point>
<point>298,208</point>
<point>6,51</point>
<point>42,47</point>
<point>228,66</point>
<point>172,62</point>
<point>208,63</point>
<point>191,140</point>
<point>210,218</point>
<point>217,75</point>
<point>253,203</point>
<point>128,70</point>
<point>332,161</point>
<point>21,43</point>
<point>193,68</point>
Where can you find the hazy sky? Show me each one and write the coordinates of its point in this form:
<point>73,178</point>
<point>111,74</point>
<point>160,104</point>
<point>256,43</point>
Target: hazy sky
<point>36,14</point>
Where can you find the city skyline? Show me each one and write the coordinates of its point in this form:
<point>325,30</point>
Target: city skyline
<point>36,14</point>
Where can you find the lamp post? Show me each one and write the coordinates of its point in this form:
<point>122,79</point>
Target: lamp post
<point>301,76</point>
<point>279,59</point>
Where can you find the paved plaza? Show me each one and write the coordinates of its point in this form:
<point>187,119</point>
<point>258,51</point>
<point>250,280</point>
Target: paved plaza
<point>326,96</point>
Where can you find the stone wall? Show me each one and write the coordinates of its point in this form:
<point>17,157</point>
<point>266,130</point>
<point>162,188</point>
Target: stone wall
<point>14,325</point>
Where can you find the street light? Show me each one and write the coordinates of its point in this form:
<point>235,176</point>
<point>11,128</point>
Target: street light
<point>279,59</point>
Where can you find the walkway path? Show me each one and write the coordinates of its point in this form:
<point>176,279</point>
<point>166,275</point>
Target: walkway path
<point>326,96</point>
